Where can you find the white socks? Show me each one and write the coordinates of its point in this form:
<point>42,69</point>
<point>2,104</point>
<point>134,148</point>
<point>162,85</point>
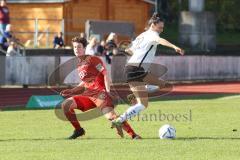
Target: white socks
<point>131,112</point>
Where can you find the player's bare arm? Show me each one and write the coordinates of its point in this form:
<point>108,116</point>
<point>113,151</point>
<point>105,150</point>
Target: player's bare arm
<point>164,42</point>
<point>76,90</point>
<point>107,82</point>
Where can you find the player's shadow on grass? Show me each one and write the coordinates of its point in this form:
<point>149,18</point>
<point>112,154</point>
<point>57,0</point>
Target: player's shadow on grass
<point>58,139</point>
<point>207,138</point>
<point>31,139</point>
<point>200,138</point>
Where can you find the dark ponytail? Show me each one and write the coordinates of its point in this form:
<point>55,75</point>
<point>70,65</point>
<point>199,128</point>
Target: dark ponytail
<point>156,18</point>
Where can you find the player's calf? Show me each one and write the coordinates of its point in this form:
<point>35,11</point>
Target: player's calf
<point>68,107</point>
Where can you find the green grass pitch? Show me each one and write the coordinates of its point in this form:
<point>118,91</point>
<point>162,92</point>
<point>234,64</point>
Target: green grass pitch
<point>204,127</point>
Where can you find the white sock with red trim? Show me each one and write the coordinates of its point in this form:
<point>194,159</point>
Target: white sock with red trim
<point>131,112</point>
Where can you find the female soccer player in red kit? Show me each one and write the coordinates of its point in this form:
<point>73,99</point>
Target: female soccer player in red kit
<point>93,91</point>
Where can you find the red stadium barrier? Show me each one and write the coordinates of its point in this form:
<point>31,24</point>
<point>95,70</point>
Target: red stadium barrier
<point>12,97</point>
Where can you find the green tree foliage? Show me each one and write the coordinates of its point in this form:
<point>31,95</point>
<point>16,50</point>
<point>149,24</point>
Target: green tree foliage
<point>227,12</point>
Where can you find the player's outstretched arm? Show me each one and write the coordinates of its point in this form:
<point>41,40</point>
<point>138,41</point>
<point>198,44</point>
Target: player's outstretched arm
<point>76,90</point>
<point>164,42</point>
<point>107,82</point>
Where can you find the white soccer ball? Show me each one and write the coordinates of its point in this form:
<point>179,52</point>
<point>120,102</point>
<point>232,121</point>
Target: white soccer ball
<point>151,88</point>
<point>167,132</point>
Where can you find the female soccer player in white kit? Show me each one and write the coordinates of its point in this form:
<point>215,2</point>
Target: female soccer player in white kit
<point>143,51</point>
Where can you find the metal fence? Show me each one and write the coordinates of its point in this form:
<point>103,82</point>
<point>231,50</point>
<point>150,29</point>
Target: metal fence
<point>35,33</point>
<point>39,33</point>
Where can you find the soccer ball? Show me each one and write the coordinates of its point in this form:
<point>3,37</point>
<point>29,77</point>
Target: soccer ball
<point>167,132</point>
<point>151,88</point>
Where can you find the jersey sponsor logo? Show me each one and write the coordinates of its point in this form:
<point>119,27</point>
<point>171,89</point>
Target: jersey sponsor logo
<point>100,67</point>
<point>102,96</point>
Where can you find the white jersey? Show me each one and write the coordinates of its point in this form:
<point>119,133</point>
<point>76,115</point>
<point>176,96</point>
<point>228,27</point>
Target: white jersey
<point>90,50</point>
<point>144,48</point>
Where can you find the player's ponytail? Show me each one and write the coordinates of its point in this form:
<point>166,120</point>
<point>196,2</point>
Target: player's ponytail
<point>156,15</point>
<point>156,18</point>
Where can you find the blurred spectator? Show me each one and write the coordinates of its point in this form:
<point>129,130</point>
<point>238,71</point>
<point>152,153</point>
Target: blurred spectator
<point>111,47</point>
<point>6,37</point>
<point>58,41</point>
<point>101,48</point>
<point>91,48</point>
<point>13,49</point>
<point>8,31</point>
<point>4,16</point>
<point>82,35</point>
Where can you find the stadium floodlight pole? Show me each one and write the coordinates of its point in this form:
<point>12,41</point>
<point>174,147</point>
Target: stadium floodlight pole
<point>157,4</point>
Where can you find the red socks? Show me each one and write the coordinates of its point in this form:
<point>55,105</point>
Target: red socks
<point>71,116</point>
<point>126,127</point>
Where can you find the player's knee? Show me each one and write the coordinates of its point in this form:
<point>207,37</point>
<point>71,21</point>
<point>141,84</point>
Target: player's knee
<point>109,113</point>
<point>111,117</point>
<point>66,105</point>
<point>145,104</point>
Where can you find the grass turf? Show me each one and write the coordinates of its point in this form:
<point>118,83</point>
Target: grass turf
<point>204,127</point>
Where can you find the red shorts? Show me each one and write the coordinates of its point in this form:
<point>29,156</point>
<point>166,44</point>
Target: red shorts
<point>85,103</point>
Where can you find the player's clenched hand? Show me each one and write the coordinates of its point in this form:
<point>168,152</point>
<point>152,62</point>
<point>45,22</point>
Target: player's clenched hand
<point>179,50</point>
<point>66,92</point>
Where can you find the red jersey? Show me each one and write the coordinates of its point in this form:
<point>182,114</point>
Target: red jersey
<point>91,71</point>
